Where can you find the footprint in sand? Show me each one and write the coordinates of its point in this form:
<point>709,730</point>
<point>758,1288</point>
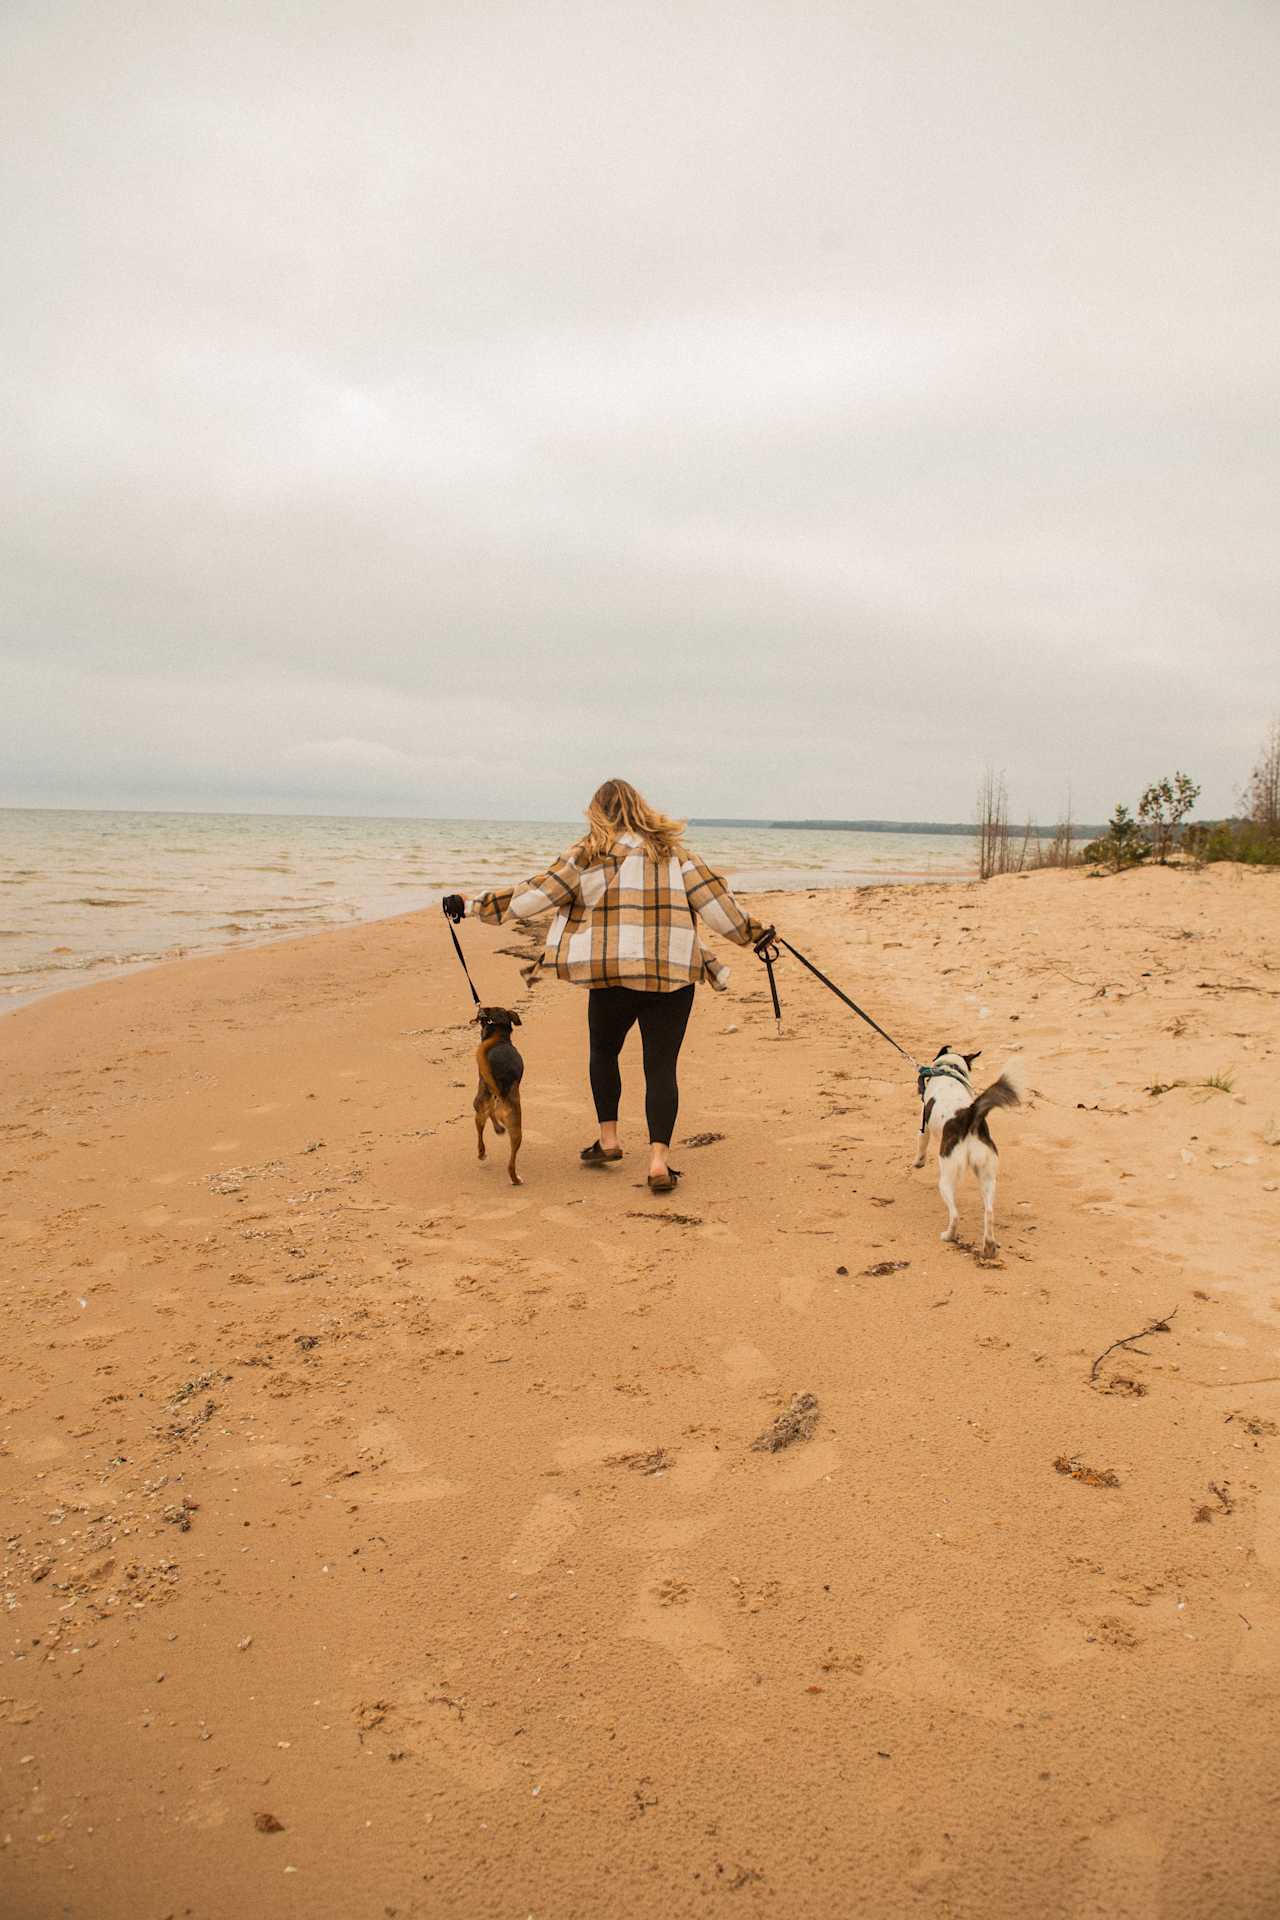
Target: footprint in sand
<point>669,1615</point>
<point>694,1469</point>
<point>1125,1868</point>
<point>909,1668</point>
<point>795,1290</point>
<point>428,1720</point>
<point>1060,1639</point>
<point>930,1870</point>
<point>516,1204</point>
<point>593,1449</point>
<point>393,1474</point>
<point>744,1364</point>
<point>567,1217</point>
<point>439,1279</point>
<point>545,1532</point>
<point>664,1532</point>
<point>91,1336</point>
<point>566,1102</point>
<point>805,1466</point>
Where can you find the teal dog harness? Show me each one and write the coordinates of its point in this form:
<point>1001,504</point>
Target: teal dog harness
<point>925,1074</point>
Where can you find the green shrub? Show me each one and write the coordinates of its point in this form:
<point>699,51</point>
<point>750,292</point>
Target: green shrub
<point>1242,840</point>
<point>1124,845</point>
<point>1163,808</point>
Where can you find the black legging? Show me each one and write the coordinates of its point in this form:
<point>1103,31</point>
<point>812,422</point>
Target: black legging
<point>663,1017</point>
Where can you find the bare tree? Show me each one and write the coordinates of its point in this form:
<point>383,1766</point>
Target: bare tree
<point>1262,797</point>
<point>1022,861</point>
<point>993,825</point>
<point>1060,851</point>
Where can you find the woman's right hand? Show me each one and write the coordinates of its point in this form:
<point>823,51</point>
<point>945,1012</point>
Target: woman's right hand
<point>454,906</point>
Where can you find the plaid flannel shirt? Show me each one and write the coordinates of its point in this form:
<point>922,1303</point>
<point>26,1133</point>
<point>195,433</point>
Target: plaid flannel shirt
<point>628,920</point>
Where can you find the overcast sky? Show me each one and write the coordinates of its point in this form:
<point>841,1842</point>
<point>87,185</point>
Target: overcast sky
<point>436,408</point>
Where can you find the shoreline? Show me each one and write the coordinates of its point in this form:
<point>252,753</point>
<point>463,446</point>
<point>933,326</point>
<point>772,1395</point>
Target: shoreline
<point>349,1484</point>
<point>15,999</point>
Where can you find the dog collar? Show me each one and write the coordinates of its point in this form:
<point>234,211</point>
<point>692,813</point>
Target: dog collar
<point>926,1074</point>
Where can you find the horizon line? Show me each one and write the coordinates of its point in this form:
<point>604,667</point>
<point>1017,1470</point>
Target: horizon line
<point>811,823</point>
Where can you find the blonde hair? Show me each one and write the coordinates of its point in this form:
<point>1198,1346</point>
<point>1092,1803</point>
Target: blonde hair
<point>616,808</point>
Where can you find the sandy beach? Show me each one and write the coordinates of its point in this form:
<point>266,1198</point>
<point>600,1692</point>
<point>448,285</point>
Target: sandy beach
<point>383,1541</point>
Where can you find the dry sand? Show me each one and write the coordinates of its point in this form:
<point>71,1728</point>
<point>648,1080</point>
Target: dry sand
<point>384,1541</point>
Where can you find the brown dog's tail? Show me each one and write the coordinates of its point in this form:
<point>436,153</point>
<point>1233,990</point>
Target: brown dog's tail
<point>1004,1092</point>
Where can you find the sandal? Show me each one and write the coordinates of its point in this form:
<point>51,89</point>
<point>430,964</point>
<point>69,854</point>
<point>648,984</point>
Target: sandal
<point>595,1155</point>
<point>664,1182</point>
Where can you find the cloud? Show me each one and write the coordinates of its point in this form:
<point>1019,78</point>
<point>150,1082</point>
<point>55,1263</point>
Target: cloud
<point>352,756</point>
<point>794,409</point>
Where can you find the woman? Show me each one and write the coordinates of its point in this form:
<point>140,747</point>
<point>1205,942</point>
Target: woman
<point>625,900</point>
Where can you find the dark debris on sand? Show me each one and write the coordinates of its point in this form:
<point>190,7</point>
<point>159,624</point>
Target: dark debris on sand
<point>1088,1476</point>
<point>797,1423</point>
<point>656,1462</point>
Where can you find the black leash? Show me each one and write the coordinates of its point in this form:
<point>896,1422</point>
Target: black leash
<point>767,950</point>
<point>451,914</point>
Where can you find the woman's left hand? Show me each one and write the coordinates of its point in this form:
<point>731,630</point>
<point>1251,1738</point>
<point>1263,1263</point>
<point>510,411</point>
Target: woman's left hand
<point>455,907</point>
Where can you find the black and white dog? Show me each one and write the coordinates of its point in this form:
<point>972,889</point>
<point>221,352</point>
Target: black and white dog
<point>953,1110</point>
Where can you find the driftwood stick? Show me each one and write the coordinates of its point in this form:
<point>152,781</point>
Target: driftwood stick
<point>1157,1326</point>
<point>1053,965</point>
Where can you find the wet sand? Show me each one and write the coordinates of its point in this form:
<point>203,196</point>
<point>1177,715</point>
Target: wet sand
<point>383,1541</point>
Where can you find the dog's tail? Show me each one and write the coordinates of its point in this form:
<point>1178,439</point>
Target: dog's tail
<point>1005,1092</point>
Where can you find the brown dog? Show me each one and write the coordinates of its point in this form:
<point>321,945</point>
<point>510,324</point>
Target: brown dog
<point>501,1071</point>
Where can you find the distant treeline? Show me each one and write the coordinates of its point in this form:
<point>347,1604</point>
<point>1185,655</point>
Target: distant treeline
<point>965,827</point>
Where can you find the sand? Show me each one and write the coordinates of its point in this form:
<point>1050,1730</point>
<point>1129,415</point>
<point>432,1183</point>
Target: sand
<point>386,1541</point>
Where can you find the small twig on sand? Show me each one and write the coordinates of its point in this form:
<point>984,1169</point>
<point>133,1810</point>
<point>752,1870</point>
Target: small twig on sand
<point>1055,968</point>
<point>1157,1326</point>
<point>1225,1505</point>
<point>1236,986</point>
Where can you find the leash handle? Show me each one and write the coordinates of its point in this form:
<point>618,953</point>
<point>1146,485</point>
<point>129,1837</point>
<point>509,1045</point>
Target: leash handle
<point>766,949</point>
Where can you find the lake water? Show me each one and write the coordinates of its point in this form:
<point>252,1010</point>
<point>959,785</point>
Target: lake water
<point>83,895</point>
